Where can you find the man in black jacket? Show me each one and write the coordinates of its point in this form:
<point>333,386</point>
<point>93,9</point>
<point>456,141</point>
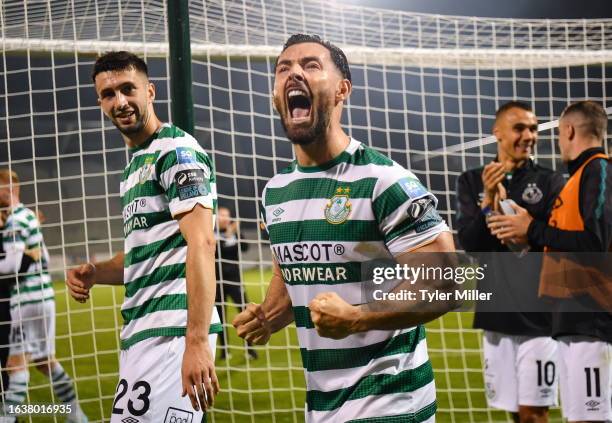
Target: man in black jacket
<point>580,222</point>
<point>229,280</point>
<point>519,354</point>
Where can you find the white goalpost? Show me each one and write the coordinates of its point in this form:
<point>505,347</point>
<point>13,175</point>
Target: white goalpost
<point>425,91</point>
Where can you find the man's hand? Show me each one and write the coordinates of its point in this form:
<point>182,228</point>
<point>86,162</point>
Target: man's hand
<point>80,280</point>
<point>492,176</point>
<point>511,228</point>
<point>332,316</point>
<point>252,325</point>
<point>198,374</point>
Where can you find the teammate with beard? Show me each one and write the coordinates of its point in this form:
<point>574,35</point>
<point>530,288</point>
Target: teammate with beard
<point>168,195</point>
<point>339,205</point>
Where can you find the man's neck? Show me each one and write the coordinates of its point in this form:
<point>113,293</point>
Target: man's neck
<point>323,150</point>
<point>509,163</point>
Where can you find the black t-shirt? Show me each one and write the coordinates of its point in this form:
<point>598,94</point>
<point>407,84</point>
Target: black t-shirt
<point>514,281</point>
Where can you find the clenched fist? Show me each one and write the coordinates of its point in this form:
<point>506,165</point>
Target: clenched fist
<point>332,316</point>
<point>252,325</point>
<point>80,280</point>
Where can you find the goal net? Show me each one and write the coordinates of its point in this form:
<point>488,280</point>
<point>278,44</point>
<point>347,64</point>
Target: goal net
<point>425,91</point>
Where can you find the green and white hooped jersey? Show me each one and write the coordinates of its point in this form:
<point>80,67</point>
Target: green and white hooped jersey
<point>324,224</point>
<point>22,230</point>
<point>168,175</point>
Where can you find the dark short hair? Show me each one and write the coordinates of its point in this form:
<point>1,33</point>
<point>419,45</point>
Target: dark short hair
<point>512,105</point>
<point>595,118</point>
<point>117,61</point>
<point>337,55</point>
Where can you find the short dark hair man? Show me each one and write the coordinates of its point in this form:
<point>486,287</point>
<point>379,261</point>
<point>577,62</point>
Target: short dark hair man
<point>168,195</point>
<point>339,205</point>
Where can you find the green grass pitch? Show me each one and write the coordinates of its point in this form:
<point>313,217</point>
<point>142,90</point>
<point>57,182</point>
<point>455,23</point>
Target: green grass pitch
<point>270,389</point>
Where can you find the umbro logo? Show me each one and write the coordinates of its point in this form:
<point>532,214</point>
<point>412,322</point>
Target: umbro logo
<point>278,212</point>
<point>592,405</point>
<point>130,419</point>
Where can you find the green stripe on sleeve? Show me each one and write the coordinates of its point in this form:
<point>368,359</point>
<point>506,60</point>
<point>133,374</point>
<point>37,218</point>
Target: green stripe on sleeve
<point>389,201</point>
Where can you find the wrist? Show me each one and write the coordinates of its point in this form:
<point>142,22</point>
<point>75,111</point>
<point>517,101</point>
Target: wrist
<point>487,201</point>
<point>195,340</point>
<point>358,319</point>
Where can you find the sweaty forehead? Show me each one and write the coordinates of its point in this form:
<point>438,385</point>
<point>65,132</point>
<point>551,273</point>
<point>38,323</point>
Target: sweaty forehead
<point>298,51</point>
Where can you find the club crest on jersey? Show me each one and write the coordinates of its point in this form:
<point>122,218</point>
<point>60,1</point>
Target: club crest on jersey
<point>532,194</point>
<point>338,207</point>
<point>146,170</point>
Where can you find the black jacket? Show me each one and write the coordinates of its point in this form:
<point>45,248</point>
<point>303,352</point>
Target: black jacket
<point>596,212</point>
<point>227,257</point>
<point>513,281</point>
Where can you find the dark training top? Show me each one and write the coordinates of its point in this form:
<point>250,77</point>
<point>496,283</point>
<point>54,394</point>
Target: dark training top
<point>595,207</point>
<point>513,281</point>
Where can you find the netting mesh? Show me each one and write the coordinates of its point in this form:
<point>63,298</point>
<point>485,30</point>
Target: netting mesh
<point>425,91</point>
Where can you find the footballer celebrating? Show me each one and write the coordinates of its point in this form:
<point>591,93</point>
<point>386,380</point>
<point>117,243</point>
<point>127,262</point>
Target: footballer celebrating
<point>339,205</point>
<point>168,195</point>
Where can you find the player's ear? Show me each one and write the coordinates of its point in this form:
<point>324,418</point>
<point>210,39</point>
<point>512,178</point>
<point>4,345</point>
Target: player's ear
<point>571,132</point>
<point>496,132</point>
<point>344,90</point>
<point>151,91</point>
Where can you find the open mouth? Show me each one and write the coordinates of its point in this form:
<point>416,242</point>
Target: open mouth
<point>299,104</point>
<point>526,147</point>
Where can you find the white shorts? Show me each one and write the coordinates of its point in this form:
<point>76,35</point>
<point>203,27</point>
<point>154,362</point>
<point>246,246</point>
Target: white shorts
<point>585,368</point>
<point>150,386</point>
<point>33,330</point>
<point>520,370</point>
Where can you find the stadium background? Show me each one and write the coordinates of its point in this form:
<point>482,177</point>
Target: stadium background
<point>70,159</point>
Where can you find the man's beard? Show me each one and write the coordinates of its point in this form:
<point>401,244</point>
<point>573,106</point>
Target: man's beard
<point>305,136</point>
